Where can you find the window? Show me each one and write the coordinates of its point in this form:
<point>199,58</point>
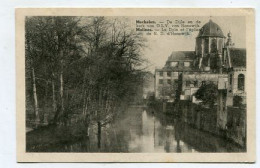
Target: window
<point>230,79</point>
<point>195,83</point>
<point>206,46</point>
<point>241,82</point>
<point>203,83</point>
<point>187,92</point>
<point>161,73</point>
<point>176,81</point>
<point>168,74</point>
<point>186,64</point>
<point>160,81</point>
<point>213,46</point>
<point>220,45</point>
<point>169,81</point>
<point>174,64</point>
<point>188,83</point>
<point>175,73</point>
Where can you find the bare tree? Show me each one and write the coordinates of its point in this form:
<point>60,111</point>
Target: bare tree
<point>99,59</point>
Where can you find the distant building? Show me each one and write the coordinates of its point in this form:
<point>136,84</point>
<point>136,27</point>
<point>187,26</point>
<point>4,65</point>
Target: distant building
<point>216,60</point>
<point>213,55</point>
<point>166,78</point>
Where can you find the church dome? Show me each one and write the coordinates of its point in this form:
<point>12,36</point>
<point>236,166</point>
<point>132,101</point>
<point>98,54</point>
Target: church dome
<point>211,29</point>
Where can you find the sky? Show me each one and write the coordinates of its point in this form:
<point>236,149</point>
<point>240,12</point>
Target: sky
<point>160,47</point>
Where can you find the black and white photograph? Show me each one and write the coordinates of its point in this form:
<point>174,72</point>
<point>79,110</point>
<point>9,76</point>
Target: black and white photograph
<point>137,84</point>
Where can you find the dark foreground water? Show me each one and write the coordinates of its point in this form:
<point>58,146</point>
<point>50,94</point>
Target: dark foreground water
<point>140,130</point>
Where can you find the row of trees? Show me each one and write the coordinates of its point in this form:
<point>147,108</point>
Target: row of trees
<point>83,65</point>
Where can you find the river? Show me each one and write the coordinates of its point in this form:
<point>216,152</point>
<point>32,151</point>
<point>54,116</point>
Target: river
<point>138,130</point>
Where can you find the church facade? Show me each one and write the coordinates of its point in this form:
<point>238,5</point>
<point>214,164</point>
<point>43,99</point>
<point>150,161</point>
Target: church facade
<point>215,59</point>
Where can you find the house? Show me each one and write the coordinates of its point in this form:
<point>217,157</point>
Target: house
<point>166,78</point>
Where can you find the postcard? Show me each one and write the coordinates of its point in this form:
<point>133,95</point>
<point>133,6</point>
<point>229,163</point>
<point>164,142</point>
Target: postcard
<point>135,84</point>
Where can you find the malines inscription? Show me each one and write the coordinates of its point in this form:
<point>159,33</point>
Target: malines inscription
<point>167,27</point>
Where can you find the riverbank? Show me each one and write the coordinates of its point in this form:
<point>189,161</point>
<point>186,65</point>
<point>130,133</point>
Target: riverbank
<point>40,139</point>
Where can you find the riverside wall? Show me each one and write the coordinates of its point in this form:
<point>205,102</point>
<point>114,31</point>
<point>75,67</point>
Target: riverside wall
<point>205,118</point>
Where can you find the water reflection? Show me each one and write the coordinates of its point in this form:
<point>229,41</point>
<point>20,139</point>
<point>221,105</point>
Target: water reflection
<point>157,136</point>
<point>138,130</point>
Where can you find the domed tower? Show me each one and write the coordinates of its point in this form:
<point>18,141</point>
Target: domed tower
<point>209,44</point>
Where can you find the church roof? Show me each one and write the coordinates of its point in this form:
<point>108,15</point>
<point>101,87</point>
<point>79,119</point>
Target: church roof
<point>211,29</point>
<point>181,56</point>
<point>238,57</point>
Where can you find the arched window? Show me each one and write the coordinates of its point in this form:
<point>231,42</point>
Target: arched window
<point>220,45</point>
<point>241,82</point>
<point>213,46</point>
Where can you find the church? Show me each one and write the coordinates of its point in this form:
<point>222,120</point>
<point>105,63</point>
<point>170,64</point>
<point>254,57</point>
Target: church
<point>215,59</point>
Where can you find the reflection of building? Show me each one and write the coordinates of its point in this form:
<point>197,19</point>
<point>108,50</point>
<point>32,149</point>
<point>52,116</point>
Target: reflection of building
<point>214,60</point>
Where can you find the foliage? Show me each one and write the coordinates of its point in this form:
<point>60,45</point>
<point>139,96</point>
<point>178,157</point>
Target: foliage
<point>207,93</point>
<point>237,101</point>
<point>168,90</point>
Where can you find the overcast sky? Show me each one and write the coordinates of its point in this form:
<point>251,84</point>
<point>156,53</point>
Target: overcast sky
<point>160,47</point>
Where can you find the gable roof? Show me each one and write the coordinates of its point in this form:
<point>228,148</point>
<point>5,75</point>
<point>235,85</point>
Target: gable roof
<point>181,56</point>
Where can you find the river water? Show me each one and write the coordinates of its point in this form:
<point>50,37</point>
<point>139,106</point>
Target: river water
<point>140,130</point>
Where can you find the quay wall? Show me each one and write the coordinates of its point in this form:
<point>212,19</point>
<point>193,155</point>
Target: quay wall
<point>205,118</point>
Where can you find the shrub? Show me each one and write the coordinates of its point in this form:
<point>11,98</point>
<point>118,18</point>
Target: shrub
<point>207,93</point>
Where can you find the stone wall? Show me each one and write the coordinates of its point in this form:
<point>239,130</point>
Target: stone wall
<point>200,117</point>
<point>205,119</point>
<point>236,126</point>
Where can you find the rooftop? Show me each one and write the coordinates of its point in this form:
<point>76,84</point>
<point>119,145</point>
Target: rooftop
<point>181,56</point>
<point>211,29</point>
